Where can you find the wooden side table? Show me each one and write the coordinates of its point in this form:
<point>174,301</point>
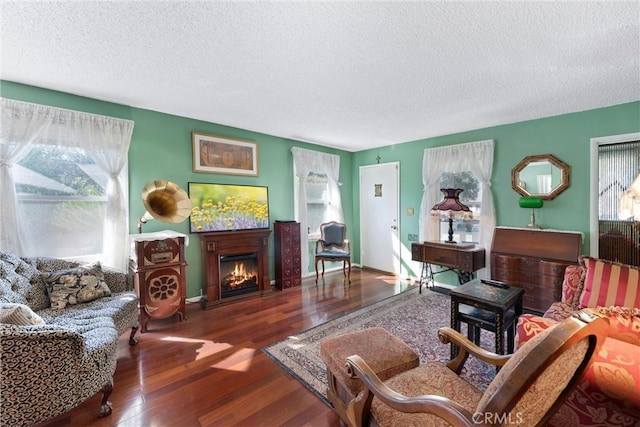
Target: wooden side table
<point>488,305</point>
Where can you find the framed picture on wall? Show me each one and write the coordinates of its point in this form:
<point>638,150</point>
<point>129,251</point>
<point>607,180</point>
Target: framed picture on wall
<point>218,154</point>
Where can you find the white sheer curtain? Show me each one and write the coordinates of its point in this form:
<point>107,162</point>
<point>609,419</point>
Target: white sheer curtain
<point>306,161</point>
<point>20,124</point>
<point>105,139</point>
<point>476,157</point>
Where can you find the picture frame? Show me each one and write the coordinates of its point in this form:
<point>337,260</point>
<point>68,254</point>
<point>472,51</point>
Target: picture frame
<point>223,155</point>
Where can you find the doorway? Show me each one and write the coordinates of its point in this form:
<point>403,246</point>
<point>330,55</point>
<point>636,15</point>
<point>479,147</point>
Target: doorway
<point>614,229</point>
<point>379,213</point>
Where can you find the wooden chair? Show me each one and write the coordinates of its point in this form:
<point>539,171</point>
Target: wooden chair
<point>528,390</point>
<point>333,246</point>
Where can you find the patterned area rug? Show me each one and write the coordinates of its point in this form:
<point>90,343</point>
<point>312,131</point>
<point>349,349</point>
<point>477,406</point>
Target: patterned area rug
<point>412,317</point>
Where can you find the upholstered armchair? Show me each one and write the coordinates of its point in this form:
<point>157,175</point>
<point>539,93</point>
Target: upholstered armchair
<point>529,388</point>
<point>333,246</point>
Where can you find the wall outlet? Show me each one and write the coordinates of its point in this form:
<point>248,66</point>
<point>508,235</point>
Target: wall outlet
<point>413,237</point>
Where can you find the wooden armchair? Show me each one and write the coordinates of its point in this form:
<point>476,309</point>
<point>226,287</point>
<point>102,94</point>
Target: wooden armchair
<point>530,387</point>
<point>333,246</point>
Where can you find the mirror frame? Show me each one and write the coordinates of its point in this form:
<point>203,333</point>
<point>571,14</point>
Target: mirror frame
<point>564,175</point>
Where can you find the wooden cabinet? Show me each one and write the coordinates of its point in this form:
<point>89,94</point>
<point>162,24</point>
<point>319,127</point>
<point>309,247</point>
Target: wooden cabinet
<point>534,260</point>
<point>464,259</point>
<point>287,255</point>
<point>158,266</point>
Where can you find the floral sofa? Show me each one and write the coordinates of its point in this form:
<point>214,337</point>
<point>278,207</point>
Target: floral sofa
<point>59,325</point>
<point>609,392</point>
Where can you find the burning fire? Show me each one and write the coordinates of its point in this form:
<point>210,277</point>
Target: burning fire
<point>239,277</point>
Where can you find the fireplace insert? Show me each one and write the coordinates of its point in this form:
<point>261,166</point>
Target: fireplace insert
<point>238,274</point>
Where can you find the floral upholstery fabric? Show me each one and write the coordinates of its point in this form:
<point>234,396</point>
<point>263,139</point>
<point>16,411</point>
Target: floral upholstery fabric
<point>385,353</point>
<point>608,394</point>
<point>547,387</point>
<point>559,311</point>
<point>431,378</point>
<point>48,369</point>
<point>572,285</point>
<point>624,323</point>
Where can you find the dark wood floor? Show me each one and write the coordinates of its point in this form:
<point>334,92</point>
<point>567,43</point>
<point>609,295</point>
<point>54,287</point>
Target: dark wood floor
<point>209,370</point>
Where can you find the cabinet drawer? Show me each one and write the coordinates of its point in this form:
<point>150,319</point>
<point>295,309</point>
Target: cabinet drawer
<point>416,252</point>
<point>443,257</point>
<point>542,293</point>
<point>296,261</point>
<point>553,268</point>
<point>516,263</point>
<point>528,281</point>
<point>466,265</point>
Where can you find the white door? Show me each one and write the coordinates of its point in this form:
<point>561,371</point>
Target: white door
<point>379,212</point>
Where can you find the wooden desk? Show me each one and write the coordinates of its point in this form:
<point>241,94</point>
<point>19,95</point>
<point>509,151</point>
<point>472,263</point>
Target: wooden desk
<point>534,260</point>
<point>464,259</point>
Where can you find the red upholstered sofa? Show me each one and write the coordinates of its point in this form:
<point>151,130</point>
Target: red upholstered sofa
<point>609,392</point>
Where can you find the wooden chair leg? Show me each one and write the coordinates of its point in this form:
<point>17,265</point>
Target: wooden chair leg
<point>132,339</point>
<point>105,405</point>
<point>317,260</point>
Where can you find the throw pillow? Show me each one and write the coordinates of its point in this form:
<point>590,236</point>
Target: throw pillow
<point>19,314</point>
<point>609,283</point>
<point>75,285</point>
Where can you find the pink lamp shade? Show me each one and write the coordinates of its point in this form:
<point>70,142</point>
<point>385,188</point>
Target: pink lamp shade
<point>451,205</point>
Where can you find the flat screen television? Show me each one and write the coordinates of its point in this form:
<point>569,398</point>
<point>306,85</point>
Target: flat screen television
<point>227,207</point>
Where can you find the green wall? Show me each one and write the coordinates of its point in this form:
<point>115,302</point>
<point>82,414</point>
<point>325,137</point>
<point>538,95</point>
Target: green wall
<point>566,136</point>
<point>161,149</point>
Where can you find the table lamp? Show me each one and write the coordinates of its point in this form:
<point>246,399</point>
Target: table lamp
<point>532,203</point>
<point>451,207</point>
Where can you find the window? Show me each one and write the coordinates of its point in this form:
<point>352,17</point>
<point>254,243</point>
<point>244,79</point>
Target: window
<point>316,187</point>
<point>468,166</point>
<point>316,195</point>
<point>619,202</point>
<point>464,230</point>
<point>66,192</point>
<point>61,195</point>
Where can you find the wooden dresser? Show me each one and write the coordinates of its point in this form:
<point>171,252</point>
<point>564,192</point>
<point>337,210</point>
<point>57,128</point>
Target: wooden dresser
<point>534,260</point>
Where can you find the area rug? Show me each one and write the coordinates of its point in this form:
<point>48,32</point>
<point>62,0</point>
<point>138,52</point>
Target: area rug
<point>411,316</point>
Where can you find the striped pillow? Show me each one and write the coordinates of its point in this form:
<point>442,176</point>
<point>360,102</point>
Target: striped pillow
<point>18,314</point>
<point>609,283</point>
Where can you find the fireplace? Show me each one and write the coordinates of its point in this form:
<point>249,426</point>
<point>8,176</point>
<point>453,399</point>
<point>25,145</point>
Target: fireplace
<point>238,274</point>
<point>235,266</point>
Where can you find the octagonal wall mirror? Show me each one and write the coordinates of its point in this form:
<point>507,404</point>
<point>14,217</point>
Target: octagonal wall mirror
<point>543,176</point>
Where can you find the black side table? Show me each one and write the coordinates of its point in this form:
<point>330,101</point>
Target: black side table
<point>489,305</point>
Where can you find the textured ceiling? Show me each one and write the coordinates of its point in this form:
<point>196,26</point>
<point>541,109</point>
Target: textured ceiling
<point>352,75</point>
